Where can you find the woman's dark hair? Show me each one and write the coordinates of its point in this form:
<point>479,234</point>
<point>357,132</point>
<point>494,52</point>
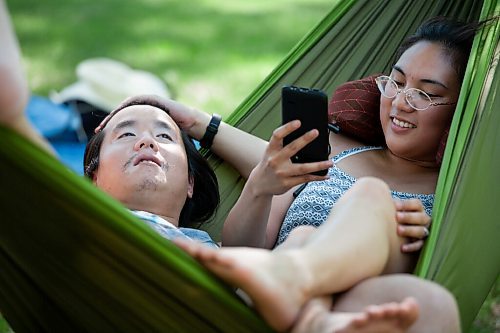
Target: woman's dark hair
<point>198,209</point>
<point>456,38</point>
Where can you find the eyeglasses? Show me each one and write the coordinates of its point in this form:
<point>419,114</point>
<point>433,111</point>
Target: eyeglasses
<point>416,98</point>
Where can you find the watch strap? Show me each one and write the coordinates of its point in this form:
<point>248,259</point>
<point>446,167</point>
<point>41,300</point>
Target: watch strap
<point>212,129</point>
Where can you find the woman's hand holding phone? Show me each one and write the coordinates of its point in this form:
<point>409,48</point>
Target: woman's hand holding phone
<point>276,173</point>
<point>310,106</point>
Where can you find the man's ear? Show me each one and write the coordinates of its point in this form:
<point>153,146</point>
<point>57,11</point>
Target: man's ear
<point>190,189</point>
<point>94,177</point>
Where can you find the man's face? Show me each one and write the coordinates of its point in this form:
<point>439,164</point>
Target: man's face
<point>143,162</point>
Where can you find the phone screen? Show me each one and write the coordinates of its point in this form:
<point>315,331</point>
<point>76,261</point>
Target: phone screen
<point>310,106</point>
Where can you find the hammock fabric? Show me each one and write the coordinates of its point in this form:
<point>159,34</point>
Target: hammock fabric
<point>73,259</point>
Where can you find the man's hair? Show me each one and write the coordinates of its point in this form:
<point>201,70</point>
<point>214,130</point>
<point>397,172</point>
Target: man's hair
<point>456,38</point>
<point>205,200</point>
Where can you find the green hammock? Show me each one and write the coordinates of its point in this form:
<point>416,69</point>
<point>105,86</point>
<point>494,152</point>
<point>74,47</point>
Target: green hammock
<point>72,259</point>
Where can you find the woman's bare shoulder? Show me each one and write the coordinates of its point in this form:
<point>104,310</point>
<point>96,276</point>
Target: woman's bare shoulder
<point>339,143</point>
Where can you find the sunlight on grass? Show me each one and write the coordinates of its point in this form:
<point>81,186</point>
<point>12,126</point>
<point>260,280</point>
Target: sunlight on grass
<point>231,45</point>
<point>224,93</point>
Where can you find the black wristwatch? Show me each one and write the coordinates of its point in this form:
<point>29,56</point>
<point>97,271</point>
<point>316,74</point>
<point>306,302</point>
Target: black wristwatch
<point>212,129</point>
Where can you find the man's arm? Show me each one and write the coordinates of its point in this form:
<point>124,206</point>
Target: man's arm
<point>240,149</point>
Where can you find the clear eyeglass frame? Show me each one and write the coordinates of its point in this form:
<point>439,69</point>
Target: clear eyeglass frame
<point>413,96</point>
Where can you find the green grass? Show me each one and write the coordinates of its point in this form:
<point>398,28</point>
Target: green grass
<point>488,319</point>
<point>211,53</point>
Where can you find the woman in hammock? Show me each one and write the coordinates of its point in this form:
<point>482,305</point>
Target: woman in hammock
<point>416,107</point>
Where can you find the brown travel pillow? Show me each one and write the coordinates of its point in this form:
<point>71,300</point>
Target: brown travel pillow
<point>354,107</point>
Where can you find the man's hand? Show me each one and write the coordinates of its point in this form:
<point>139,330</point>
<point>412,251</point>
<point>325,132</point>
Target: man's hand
<point>192,121</point>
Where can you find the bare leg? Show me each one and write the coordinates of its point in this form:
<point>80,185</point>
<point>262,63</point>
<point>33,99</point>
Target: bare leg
<point>358,241</point>
<point>296,238</point>
<point>393,317</point>
<point>14,92</point>
<point>437,307</point>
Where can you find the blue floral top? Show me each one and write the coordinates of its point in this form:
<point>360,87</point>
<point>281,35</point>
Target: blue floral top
<point>313,204</point>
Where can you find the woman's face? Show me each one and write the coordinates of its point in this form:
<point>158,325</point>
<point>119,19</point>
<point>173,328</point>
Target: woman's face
<point>413,134</point>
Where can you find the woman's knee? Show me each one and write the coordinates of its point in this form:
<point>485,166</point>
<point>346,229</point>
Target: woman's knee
<point>371,194</point>
<point>372,187</point>
<point>368,191</point>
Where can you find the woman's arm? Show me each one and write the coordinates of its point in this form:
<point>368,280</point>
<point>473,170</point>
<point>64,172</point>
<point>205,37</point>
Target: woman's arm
<point>247,223</point>
<point>14,92</point>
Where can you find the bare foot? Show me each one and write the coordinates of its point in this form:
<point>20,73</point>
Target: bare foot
<point>271,282</point>
<point>390,317</point>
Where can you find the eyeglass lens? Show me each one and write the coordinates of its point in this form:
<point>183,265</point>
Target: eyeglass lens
<point>415,97</point>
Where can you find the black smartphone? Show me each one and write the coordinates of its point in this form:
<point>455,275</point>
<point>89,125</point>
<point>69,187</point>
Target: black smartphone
<point>310,106</point>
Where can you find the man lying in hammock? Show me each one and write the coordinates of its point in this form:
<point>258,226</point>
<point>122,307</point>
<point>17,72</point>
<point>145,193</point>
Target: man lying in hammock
<point>142,158</point>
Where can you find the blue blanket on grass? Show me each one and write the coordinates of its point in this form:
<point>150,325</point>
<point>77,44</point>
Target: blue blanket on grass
<point>61,125</point>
